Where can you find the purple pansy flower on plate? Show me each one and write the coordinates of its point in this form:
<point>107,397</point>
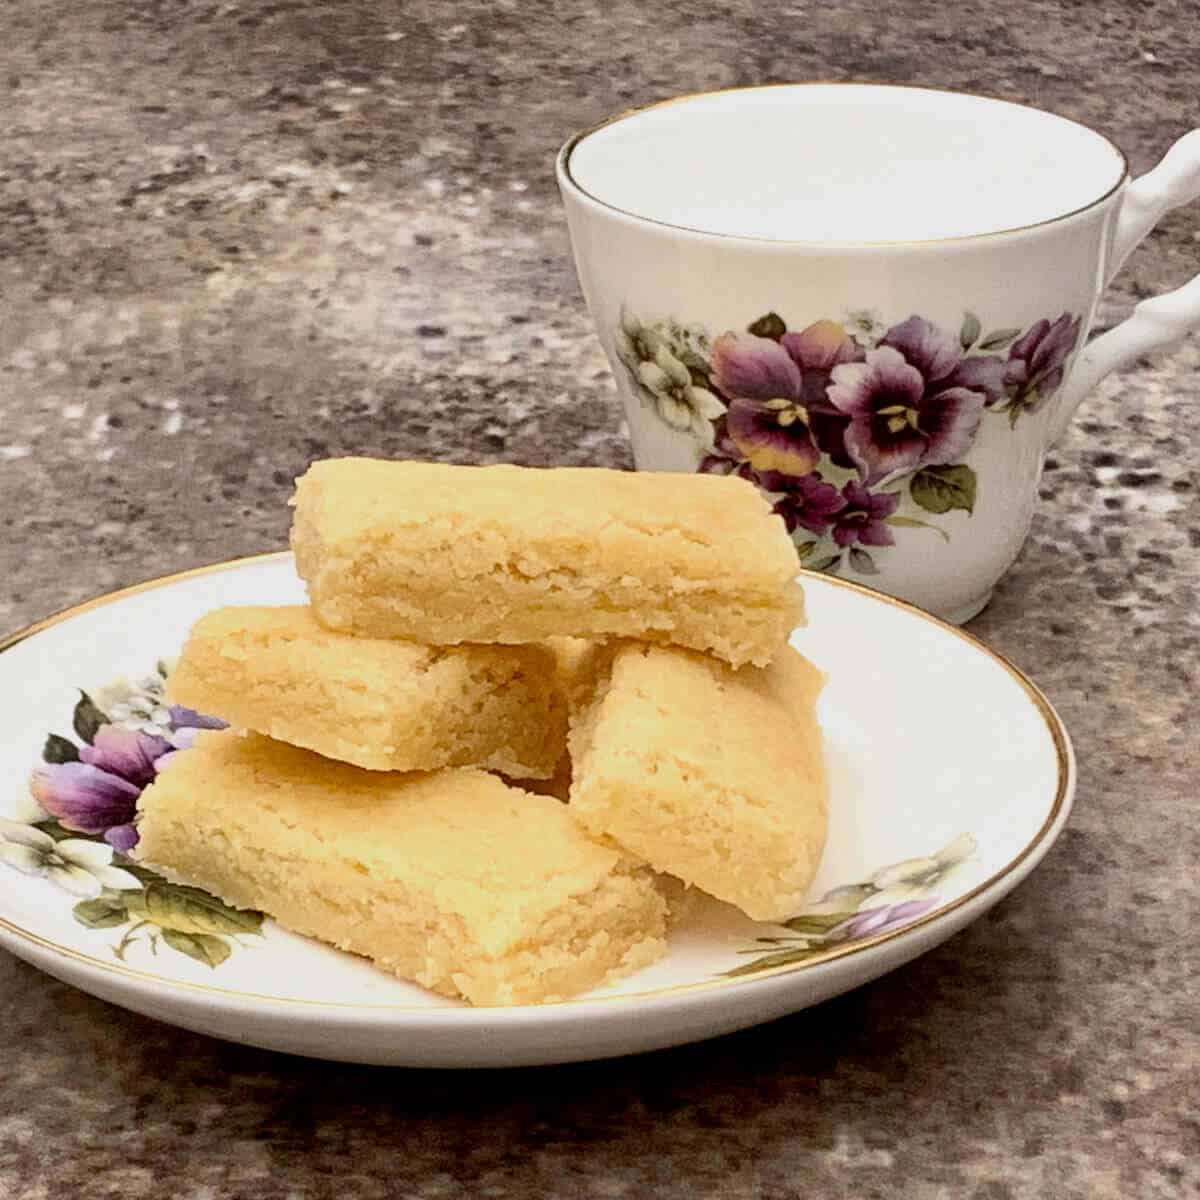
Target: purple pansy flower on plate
<point>75,825</point>
<point>187,722</point>
<point>1037,360</point>
<point>870,921</point>
<point>98,794</point>
<point>780,418</point>
<point>893,897</point>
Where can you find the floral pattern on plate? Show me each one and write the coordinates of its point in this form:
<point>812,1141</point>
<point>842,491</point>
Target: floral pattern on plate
<point>852,429</point>
<point>76,825</point>
<point>891,898</point>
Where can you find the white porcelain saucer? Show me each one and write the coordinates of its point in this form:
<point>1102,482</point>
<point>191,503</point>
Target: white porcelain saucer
<point>951,776</point>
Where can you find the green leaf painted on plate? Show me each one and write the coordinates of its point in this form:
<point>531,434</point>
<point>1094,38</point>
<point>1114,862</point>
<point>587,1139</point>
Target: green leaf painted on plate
<point>817,924</point>
<point>105,912</point>
<point>58,832</point>
<point>942,489</point>
<point>968,335</point>
<point>804,550</point>
<point>769,325</point>
<point>143,875</point>
<point>998,339</point>
<point>182,909</point>
<point>87,718</point>
<point>781,959</point>
<point>59,749</point>
<point>203,947</point>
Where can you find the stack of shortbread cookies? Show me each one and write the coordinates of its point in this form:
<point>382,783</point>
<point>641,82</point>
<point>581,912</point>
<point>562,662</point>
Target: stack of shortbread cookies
<point>523,707</point>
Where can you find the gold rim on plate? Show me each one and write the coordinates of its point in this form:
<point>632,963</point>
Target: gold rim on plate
<point>1054,726</point>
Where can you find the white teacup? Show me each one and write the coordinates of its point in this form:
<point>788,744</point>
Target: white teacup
<point>872,301</point>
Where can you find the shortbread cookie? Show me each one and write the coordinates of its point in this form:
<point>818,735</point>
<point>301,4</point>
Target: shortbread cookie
<point>713,775</point>
<point>446,554</point>
<point>451,879</point>
<point>381,704</point>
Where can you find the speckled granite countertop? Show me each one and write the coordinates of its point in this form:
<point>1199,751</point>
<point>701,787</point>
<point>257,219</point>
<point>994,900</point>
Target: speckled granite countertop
<point>235,236</point>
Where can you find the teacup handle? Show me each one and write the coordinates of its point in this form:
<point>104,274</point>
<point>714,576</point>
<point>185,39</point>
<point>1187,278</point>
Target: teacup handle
<point>1162,320</point>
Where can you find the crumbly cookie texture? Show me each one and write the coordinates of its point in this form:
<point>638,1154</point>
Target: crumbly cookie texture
<point>452,879</point>
<point>381,704</point>
<point>713,775</point>
<point>446,554</point>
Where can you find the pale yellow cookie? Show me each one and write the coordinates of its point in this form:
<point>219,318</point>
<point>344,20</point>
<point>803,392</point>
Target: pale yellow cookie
<point>381,704</point>
<point>452,879</point>
<point>713,775</point>
<point>446,554</point>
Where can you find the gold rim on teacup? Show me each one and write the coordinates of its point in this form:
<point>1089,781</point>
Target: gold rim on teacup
<point>567,177</point>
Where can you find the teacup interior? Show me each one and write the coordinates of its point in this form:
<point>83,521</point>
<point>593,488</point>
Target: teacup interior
<point>845,163</point>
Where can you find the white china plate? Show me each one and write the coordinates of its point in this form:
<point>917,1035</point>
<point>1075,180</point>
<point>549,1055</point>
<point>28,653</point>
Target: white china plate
<point>934,818</point>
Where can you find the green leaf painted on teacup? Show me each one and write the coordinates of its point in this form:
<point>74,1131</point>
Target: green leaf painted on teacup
<point>105,912</point>
<point>914,523</point>
<point>87,718</point>
<point>943,489</point>
<point>862,562</point>
<point>1031,400</point>
<point>968,335</point>
<point>998,339</point>
<point>769,325</point>
<point>203,947</point>
<point>173,906</point>
<point>59,750</point>
<point>831,563</point>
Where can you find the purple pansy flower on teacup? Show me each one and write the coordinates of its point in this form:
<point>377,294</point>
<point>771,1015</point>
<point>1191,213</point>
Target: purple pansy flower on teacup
<point>724,458</point>
<point>806,501</point>
<point>780,417</point>
<point>1037,360</point>
<point>914,401</point>
<point>852,514</point>
<point>862,519</point>
<point>937,353</point>
<point>824,417</point>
